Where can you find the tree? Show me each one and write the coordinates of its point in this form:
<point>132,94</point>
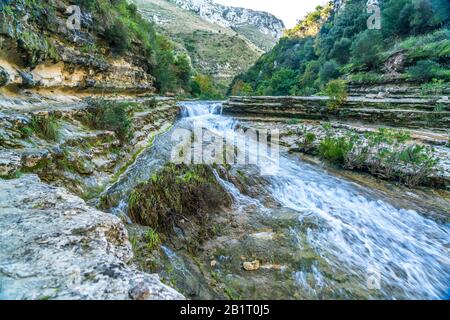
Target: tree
<point>365,49</point>
<point>424,70</point>
<point>341,50</point>
<point>282,81</point>
<point>207,87</point>
<point>336,90</point>
<point>118,37</point>
<point>329,71</point>
<point>183,70</point>
<point>247,90</point>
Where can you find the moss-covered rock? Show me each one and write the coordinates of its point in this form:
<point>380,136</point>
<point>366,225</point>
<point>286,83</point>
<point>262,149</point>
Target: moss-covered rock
<point>177,192</point>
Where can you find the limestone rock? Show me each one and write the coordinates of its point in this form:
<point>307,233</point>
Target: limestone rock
<point>9,163</point>
<point>251,266</point>
<point>54,246</point>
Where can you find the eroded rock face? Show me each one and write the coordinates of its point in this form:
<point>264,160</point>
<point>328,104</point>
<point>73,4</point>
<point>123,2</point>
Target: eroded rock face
<point>53,246</point>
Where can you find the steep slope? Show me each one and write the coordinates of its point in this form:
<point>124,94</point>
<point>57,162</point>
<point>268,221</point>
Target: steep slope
<point>411,50</point>
<point>217,48</point>
<point>262,28</point>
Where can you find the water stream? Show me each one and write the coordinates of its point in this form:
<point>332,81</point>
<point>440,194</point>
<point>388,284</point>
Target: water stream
<point>327,237</point>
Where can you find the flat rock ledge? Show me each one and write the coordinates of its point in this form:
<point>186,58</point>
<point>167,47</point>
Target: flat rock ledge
<point>53,246</point>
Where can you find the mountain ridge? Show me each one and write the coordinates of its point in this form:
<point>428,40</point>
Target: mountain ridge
<point>215,50</point>
<point>233,17</point>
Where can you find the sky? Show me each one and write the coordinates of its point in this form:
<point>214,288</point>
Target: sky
<point>287,10</point>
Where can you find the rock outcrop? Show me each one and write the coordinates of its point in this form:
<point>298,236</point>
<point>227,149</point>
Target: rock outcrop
<point>406,112</point>
<point>53,246</point>
<point>232,17</point>
<point>45,54</point>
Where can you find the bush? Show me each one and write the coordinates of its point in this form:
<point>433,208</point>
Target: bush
<point>47,128</point>
<point>365,49</point>
<point>424,70</point>
<point>310,138</point>
<point>176,192</point>
<point>118,37</point>
<point>109,115</point>
<point>341,50</point>
<point>335,149</point>
<point>283,81</point>
<point>336,90</point>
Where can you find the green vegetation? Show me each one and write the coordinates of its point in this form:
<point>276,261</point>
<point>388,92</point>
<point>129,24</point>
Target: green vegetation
<point>152,239</point>
<point>203,87</point>
<point>327,45</point>
<point>336,149</point>
<point>216,52</point>
<point>336,90</point>
<point>116,25</point>
<point>176,192</point>
<point>384,153</point>
<point>45,127</point>
<point>109,115</point>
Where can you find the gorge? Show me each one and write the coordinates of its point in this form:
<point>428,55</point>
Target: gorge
<point>126,174</point>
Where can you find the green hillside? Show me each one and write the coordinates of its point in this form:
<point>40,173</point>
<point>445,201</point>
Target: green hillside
<point>214,51</point>
<point>413,46</point>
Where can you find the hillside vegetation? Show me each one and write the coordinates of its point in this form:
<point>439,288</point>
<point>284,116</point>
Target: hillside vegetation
<point>412,46</point>
<point>215,52</point>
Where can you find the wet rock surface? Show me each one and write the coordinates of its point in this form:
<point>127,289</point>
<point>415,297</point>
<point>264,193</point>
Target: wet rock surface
<point>53,246</point>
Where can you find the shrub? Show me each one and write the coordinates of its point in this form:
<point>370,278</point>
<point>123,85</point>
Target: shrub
<point>341,50</point>
<point>152,239</point>
<point>109,115</point>
<point>335,149</point>
<point>310,138</point>
<point>183,70</point>
<point>424,70</point>
<point>365,49</point>
<point>175,192</point>
<point>118,37</point>
<point>47,128</point>
<point>336,90</point>
<point>293,121</point>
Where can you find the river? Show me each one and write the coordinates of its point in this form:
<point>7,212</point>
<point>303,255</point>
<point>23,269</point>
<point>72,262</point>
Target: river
<point>316,234</point>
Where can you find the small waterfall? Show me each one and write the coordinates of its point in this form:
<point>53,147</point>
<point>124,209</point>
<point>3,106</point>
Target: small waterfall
<point>195,109</point>
<point>358,232</point>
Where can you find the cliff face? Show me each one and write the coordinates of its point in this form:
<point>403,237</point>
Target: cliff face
<point>39,50</point>
<point>232,17</point>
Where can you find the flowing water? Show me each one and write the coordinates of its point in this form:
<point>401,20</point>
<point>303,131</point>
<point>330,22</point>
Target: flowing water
<point>324,236</point>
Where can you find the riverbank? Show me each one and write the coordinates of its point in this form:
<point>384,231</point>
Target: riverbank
<point>394,138</point>
<point>55,156</point>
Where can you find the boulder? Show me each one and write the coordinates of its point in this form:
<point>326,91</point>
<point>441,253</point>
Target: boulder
<point>53,246</point>
<point>251,266</point>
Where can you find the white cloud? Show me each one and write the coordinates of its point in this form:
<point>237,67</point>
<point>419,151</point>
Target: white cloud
<point>288,10</point>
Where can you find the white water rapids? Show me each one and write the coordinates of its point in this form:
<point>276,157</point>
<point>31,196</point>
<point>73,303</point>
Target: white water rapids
<point>360,234</point>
